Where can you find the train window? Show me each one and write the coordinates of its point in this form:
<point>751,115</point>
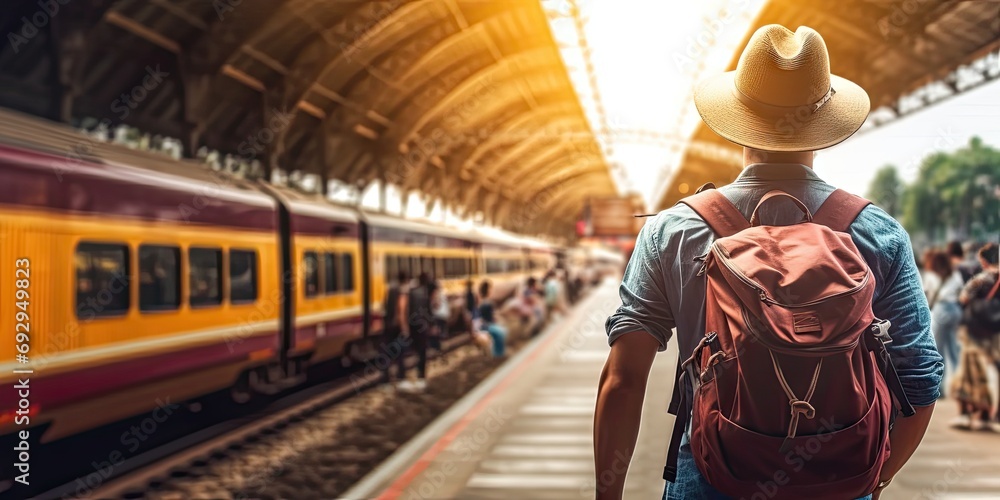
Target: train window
<point>205,272</point>
<point>426,266</point>
<point>242,276</point>
<point>310,274</point>
<point>159,278</point>
<point>494,266</point>
<point>102,280</point>
<point>391,268</point>
<point>402,266</point>
<point>347,272</point>
<point>330,285</point>
<point>456,268</point>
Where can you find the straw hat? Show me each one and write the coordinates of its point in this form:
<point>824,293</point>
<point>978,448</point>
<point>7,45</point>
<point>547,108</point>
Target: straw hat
<point>782,96</point>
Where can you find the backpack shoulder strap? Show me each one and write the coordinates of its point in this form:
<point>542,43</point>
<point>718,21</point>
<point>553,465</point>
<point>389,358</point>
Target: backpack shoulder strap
<point>717,211</point>
<point>839,210</point>
<point>993,291</point>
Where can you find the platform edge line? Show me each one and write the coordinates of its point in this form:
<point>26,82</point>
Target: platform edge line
<point>379,480</point>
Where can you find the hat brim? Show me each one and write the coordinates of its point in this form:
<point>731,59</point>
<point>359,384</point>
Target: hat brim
<point>791,129</point>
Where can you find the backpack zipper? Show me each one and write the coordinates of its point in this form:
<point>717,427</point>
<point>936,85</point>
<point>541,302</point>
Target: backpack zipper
<point>704,263</point>
<point>796,350</point>
<point>856,289</point>
<point>720,254</point>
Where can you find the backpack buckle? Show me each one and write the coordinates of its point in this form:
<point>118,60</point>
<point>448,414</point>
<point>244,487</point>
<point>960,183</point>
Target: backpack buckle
<point>880,330</point>
<point>713,360</point>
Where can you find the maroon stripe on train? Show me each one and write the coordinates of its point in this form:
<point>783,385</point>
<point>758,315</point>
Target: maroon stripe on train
<point>318,226</point>
<point>334,329</point>
<point>52,391</point>
<point>67,183</point>
<point>395,235</point>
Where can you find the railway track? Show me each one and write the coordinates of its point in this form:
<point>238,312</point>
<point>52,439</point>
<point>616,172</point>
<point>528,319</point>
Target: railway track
<point>134,476</point>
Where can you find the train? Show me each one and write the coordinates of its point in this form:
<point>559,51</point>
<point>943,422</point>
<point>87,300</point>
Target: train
<point>135,277</point>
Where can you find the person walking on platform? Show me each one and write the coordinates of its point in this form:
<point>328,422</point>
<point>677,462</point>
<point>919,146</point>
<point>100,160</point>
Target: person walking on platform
<point>420,324</point>
<point>965,268</point>
<point>394,343</point>
<point>784,292</point>
<point>946,314</point>
<point>471,304</point>
<point>442,313</point>
<point>980,299</point>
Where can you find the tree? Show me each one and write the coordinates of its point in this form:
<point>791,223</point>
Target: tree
<point>955,195</point>
<point>886,190</point>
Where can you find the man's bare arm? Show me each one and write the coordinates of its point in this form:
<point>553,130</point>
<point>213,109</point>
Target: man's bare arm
<point>906,435</point>
<point>404,322</point>
<point>619,409</point>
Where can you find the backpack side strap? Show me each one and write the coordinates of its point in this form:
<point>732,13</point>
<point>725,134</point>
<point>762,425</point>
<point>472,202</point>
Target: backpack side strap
<point>839,210</point>
<point>680,407</point>
<point>717,211</point>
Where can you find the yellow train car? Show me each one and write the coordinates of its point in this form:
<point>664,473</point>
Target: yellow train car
<point>329,283</point>
<point>131,280</point>
<point>134,284</point>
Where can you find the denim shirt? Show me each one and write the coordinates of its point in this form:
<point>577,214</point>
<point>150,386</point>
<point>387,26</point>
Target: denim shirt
<point>661,291</point>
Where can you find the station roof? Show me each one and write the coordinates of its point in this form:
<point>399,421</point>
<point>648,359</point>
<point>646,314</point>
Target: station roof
<point>467,101</point>
<point>889,48</point>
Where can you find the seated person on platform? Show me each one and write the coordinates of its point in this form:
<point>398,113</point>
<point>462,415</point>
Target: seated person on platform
<point>487,315</point>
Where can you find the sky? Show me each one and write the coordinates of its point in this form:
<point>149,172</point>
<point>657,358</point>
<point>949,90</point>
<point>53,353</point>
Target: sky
<point>647,54</point>
<point>946,126</point>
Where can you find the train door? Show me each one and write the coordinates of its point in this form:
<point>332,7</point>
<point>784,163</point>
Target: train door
<point>366,277</point>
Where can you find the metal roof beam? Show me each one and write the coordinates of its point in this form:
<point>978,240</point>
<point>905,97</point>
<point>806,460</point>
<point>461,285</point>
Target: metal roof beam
<point>150,35</point>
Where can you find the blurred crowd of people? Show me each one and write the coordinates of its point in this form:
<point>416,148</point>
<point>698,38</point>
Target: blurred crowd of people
<point>961,286</point>
<point>418,316</point>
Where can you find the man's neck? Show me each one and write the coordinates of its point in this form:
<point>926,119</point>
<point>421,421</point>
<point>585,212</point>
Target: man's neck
<point>754,156</point>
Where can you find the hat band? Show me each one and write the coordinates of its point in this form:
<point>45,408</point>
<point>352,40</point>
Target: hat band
<point>777,110</point>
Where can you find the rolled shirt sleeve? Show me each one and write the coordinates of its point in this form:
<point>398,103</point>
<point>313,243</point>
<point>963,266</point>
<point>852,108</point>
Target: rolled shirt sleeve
<point>901,300</point>
<point>644,300</point>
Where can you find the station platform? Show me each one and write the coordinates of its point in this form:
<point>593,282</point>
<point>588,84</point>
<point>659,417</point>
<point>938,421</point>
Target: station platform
<point>526,431</point>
